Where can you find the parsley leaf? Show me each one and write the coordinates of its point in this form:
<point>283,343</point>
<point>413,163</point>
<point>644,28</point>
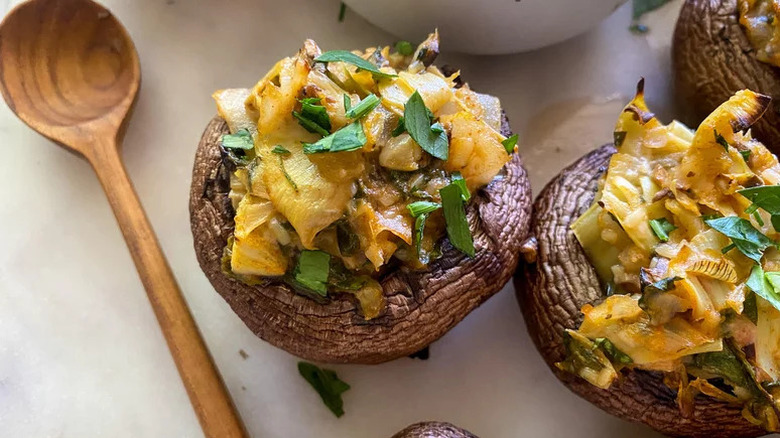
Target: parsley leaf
<point>766,198</point>
<point>612,352</point>
<point>242,139</point>
<point>458,180</point>
<point>313,117</point>
<point>765,285</point>
<point>348,138</point>
<point>661,228</point>
<point>417,119</point>
<point>327,384</point>
<point>509,143</point>
<point>420,211</point>
<point>400,129</point>
<point>280,150</point>
<point>745,155</point>
<point>404,47</point>
<point>747,239</point>
<point>364,107</point>
<point>351,58</point>
<point>347,102</point>
<point>455,218</point>
<point>721,140</point>
<point>312,271</point>
<point>422,207</point>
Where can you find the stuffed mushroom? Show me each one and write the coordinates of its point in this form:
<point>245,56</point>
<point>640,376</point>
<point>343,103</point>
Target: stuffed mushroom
<point>354,206</point>
<point>653,283</point>
<point>433,429</point>
<point>723,46</point>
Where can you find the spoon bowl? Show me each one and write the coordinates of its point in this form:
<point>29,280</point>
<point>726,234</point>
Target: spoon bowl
<point>70,71</point>
<point>68,66</point>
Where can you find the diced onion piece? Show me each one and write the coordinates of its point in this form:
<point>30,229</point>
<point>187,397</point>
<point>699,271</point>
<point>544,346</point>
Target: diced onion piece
<point>475,150</point>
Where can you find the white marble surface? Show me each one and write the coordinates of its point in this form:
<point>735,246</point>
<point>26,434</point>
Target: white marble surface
<point>80,351</point>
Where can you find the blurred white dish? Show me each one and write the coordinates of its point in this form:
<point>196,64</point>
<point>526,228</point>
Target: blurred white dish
<point>486,27</point>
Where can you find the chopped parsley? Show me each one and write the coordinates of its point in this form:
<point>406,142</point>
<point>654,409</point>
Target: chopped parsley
<point>364,107</point>
<point>351,58</point>
<point>458,180</point>
<point>661,228</point>
<point>348,138</point>
<point>312,271</point>
<point>721,140</point>
<point>313,117</point>
<point>744,237</point>
<point>404,48</point>
<point>242,139</point>
<point>455,218</point>
<point>509,143</point>
<point>420,211</point>
<point>282,152</point>
<point>430,137</point>
<point>327,384</point>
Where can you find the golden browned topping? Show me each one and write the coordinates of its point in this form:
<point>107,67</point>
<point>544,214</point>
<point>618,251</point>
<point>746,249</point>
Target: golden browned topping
<point>683,234</point>
<point>347,164</point>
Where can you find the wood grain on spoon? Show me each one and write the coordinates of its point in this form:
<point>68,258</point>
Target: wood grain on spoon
<point>70,71</point>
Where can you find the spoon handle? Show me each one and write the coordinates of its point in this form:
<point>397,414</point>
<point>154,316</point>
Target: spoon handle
<point>208,394</point>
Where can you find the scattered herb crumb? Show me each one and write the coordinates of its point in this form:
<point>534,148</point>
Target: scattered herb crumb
<point>243,354</point>
<point>342,11</point>
<point>327,384</point>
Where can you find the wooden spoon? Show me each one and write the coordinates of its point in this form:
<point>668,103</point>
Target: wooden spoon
<point>70,71</point>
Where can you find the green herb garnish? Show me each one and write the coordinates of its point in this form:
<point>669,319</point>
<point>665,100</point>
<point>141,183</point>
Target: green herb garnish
<point>661,228</point>
<point>417,120</point>
<point>721,140</point>
<point>422,207</point>
<point>351,58</point>
<point>766,198</point>
<point>745,155</point>
<point>458,180</point>
<point>282,151</point>
<point>612,352</point>
<point>509,143</point>
<point>312,271</point>
<point>420,211</point>
<point>347,103</point>
<point>242,139</point>
<point>745,238</point>
<point>455,218</point>
<point>313,117</point>
<point>404,47</point>
<point>618,137</point>
<point>327,384</point>
<point>348,138</point>
<point>765,285</point>
<point>342,11</point>
<point>400,129</point>
<point>364,107</point>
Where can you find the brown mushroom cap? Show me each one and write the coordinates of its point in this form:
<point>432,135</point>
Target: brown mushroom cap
<point>433,429</point>
<point>421,305</point>
<point>553,290</point>
<point>712,59</point>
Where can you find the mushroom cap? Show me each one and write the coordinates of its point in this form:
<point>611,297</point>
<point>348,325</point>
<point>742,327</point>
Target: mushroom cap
<point>421,305</point>
<point>712,59</point>
<point>553,289</point>
<point>433,429</point>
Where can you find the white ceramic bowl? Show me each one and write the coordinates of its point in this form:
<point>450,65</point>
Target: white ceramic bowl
<point>486,27</point>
